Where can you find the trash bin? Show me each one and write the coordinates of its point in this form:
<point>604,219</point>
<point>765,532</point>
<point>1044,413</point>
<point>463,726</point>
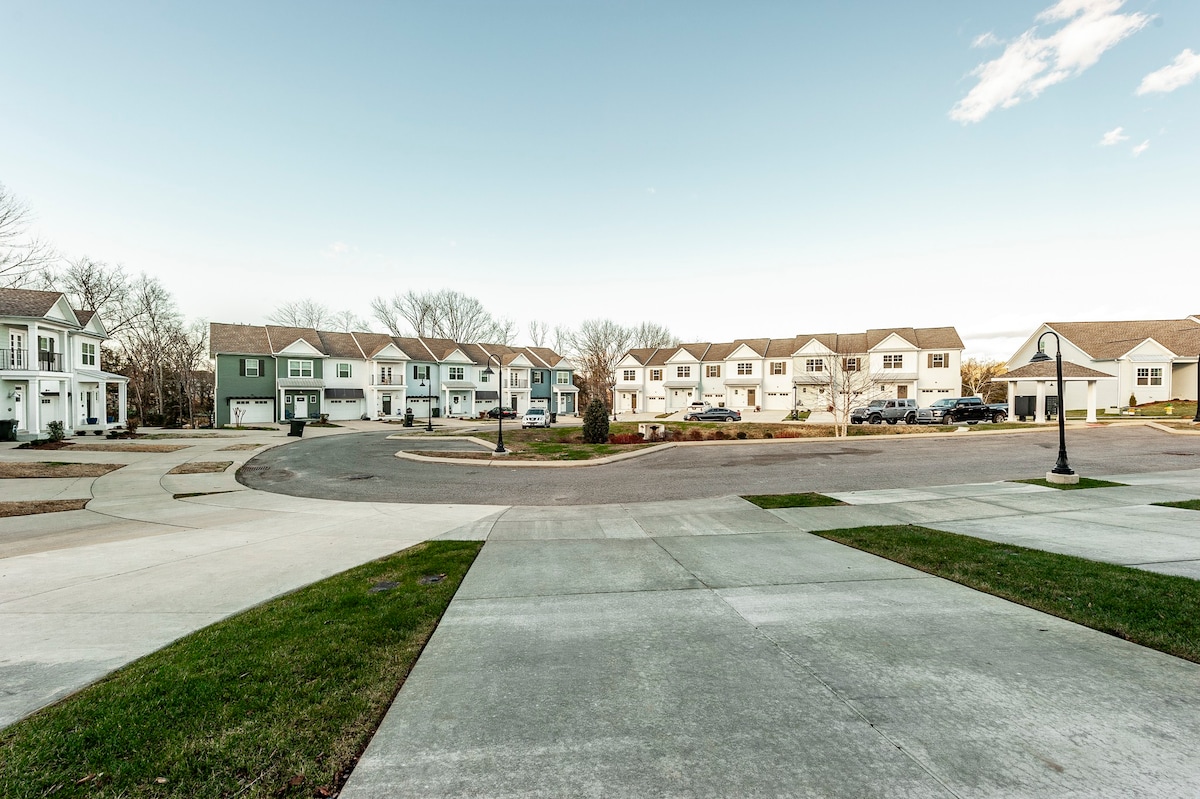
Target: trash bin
<point>297,427</point>
<point>408,418</point>
<point>8,429</point>
<point>553,417</point>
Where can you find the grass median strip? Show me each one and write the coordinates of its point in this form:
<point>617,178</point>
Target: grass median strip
<point>1186,504</point>
<point>278,701</point>
<point>1154,610</point>
<point>1084,482</point>
<point>806,500</point>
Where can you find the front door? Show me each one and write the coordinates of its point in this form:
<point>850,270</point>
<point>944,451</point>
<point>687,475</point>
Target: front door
<point>901,392</point>
<point>751,395</point>
<point>387,404</point>
<point>301,406</point>
<point>633,402</point>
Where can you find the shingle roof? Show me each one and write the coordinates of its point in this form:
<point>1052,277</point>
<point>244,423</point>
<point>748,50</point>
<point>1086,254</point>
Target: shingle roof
<point>339,345</point>
<point>1044,369</point>
<point>842,344</point>
<point>642,354</point>
<point>26,302</point>
<point>371,343</point>
<point>1108,340</point>
<point>780,348</point>
<point>248,339</point>
<point>83,316</point>
<point>936,338</point>
<point>283,337</point>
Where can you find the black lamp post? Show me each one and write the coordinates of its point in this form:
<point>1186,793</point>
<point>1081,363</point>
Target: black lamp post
<point>1062,467</point>
<point>795,414</point>
<point>613,388</point>
<point>428,406</point>
<point>488,371</point>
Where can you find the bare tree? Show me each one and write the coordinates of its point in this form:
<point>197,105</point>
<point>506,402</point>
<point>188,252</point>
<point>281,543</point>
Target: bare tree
<point>596,347</point>
<point>652,334</point>
<point>21,257</point>
<point>538,333</point>
<point>348,322</point>
<point>978,376</point>
<point>842,382</point>
<point>442,314</point>
<point>301,313</point>
<point>96,286</point>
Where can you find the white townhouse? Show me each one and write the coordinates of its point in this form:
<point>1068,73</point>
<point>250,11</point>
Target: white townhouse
<point>801,372</point>
<point>50,370</point>
<point>1152,360</point>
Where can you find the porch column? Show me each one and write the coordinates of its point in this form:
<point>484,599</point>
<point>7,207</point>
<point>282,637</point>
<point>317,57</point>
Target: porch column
<point>1039,411</point>
<point>1091,406</point>
<point>122,403</point>
<point>31,354</point>
<point>1012,399</point>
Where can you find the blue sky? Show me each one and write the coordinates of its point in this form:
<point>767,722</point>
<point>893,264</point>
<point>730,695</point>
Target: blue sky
<point>727,169</point>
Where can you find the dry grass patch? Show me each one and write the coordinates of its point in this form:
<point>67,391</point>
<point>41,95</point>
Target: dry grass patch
<point>56,469</point>
<point>240,447</point>
<point>120,446</point>
<point>35,506</point>
<point>201,467</point>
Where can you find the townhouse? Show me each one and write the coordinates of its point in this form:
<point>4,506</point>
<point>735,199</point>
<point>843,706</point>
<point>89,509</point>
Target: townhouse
<point>1153,360</point>
<point>50,370</point>
<point>268,373</point>
<point>805,372</point>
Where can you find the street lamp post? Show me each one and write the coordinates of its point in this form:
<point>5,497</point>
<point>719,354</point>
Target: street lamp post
<point>613,388</point>
<point>428,406</point>
<point>500,405</point>
<point>1062,467</point>
<point>795,413</point>
<point>1197,419</point>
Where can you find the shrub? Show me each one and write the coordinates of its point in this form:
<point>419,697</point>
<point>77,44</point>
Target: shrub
<point>768,434</point>
<point>1132,400</point>
<point>625,438</point>
<point>789,434</point>
<point>741,434</point>
<point>718,435</point>
<point>131,425</point>
<point>595,423</point>
<point>695,434</point>
<point>57,433</point>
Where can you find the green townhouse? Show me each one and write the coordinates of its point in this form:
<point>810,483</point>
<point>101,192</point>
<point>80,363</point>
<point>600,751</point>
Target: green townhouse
<point>269,373</point>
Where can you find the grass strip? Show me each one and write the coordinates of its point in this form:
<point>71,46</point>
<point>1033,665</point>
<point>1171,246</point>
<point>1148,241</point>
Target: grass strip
<point>201,467</point>
<point>32,507</point>
<point>1154,610</point>
<point>1186,504</point>
<point>1084,482</point>
<point>280,700</point>
<point>55,469</point>
<point>806,500</point>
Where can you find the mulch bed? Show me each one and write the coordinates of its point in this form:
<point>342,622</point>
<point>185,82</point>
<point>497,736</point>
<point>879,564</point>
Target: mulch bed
<point>27,470</point>
<point>201,467</point>
<point>32,507</point>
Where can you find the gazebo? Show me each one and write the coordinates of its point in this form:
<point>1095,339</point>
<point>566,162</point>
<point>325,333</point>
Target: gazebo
<point>1043,373</point>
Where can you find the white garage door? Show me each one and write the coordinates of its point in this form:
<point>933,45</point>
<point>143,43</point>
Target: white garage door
<point>344,409</point>
<point>254,411</point>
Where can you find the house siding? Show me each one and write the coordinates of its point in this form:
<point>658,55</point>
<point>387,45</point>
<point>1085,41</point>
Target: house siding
<point>232,384</point>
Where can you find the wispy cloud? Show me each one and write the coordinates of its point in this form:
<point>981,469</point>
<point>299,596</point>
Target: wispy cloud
<point>337,249</point>
<point>1114,136</point>
<point>988,39</point>
<point>1180,72</point>
<point>1030,63</point>
<point>1141,148</point>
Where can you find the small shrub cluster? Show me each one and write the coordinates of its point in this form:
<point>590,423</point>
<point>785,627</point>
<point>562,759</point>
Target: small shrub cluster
<point>595,423</point>
<point>625,438</point>
<point>56,431</point>
<point>789,434</point>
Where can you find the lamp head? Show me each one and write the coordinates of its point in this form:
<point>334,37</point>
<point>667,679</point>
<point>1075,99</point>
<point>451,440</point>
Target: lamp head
<point>1039,357</point>
<point>488,371</point>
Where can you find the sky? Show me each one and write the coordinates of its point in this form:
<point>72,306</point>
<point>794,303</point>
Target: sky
<point>728,170</point>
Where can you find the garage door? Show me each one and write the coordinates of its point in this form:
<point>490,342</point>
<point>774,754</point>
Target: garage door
<point>254,411</point>
<point>344,409</point>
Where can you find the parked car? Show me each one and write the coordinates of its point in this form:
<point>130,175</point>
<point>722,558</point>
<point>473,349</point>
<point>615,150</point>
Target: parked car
<point>860,415</point>
<point>696,407</point>
<point>886,410</point>
<point>535,417</point>
<point>501,411</point>
<point>952,410</point>
<point>999,411</point>
<point>714,415</point>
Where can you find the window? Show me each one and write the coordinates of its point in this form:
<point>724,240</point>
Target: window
<point>628,375</point>
<point>712,371</point>
<point>851,364</point>
<point>539,378</point>
<point>1149,377</point>
<point>457,373</point>
<point>89,355</point>
<point>745,368</point>
<point>484,376</point>
<point>814,365</point>
<point>683,371</point>
<point>656,374</point>
<point>893,362</point>
<point>300,368</point>
<point>343,370</point>
<point>420,372</point>
<point>939,360</point>
<point>562,378</point>
<point>779,367</point>
<point>287,399</point>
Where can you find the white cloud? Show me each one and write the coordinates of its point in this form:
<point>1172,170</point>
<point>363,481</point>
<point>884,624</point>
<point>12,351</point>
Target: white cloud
<point>337,249</point>
<point>1141,148</point>
<point>1114,136</point>
<point>1030,64</point>
<point>1180,72</point>
<point>988,39</point>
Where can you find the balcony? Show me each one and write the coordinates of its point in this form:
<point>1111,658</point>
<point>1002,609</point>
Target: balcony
<point>387,380</point>
<point>19,360</point>
<point>516,382</point>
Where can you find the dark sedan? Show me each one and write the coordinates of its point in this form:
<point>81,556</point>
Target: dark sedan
<point>714,415</point>
<point>499,412</point>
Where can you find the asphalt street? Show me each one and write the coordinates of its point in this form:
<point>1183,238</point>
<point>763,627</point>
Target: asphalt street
<point>363,467</point>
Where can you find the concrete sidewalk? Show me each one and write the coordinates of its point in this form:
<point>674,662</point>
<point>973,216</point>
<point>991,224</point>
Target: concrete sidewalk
<point>85,592</point>
<point>716,649</point>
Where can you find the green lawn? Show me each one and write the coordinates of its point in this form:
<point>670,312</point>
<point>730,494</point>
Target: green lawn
<point>277,701</point>
<point>1186,504</point>
<point>1154,610</point>
<point>808,500</point>
<point>1084,482</point>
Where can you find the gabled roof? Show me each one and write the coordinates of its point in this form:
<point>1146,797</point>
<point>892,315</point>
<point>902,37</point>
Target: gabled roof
<point>27,303</point>
<point>877,337</point>
<point>938,338</point>
<point>83,316</point>
<point>1104,341</point>
<point>756,345</point>
<point>281,337</point>
<point>1048,369</point>
<point>371,343</point>
<point>340,345</point>
<point>780,348</point>
<point>642,354</point>
<point>243,339</point>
